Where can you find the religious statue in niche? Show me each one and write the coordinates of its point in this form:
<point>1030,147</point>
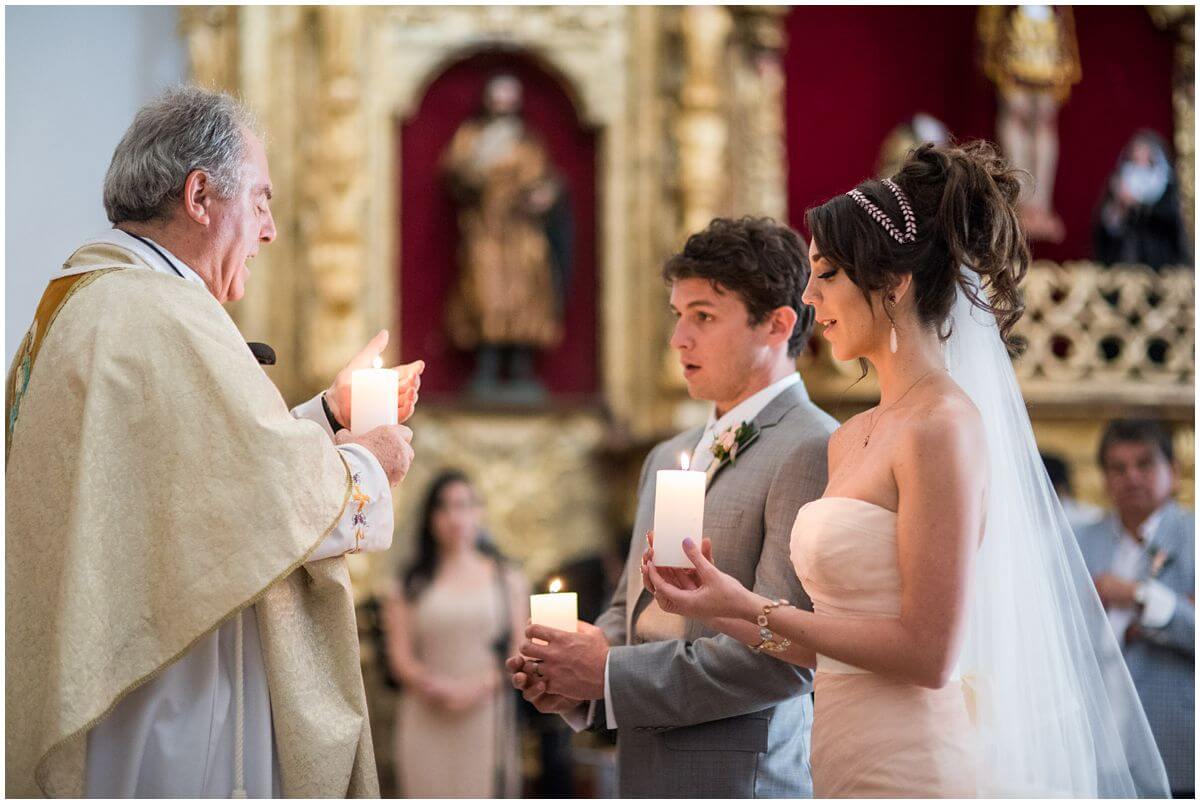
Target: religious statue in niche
<point>515,237</point>
<point>912,133</point>
<point>1031,54</point>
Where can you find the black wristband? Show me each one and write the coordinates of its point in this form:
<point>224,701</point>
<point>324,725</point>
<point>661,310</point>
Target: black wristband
<point>334,424</point>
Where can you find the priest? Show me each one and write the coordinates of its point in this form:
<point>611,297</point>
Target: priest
<point>179,613</point>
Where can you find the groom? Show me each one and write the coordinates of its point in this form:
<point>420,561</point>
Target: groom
<point>699,714</point>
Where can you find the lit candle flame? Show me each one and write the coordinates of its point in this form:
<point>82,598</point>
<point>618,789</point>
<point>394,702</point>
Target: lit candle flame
<point>556,586</point>
<point>377,362</point>
<point>685,461</point>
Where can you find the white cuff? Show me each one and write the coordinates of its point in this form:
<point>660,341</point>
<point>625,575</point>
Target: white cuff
<point>610,717</point>
<point>314,411</point>
<point>1159,607</point>
<point>578,718</point>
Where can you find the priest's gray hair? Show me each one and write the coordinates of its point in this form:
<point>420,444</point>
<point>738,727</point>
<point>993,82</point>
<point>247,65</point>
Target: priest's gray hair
<point>184,129</point>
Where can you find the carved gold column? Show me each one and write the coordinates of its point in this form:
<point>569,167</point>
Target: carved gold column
<point>758,155</point>
<point>211,34</point>
<point>1181,21</point>
<point>701,130</point>
<point>335,210</point>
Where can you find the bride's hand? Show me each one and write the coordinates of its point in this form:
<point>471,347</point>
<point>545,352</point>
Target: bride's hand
<point>701,593</point>
<point>677,576</point>
<point>647,558</point>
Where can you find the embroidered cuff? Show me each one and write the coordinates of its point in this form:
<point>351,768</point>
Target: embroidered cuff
<point>359,501</point>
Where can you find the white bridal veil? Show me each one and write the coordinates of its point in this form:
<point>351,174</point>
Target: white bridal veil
<point>1055,710</point>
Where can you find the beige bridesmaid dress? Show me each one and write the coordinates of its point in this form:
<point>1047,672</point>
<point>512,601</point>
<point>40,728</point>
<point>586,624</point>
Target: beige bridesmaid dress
<point>873,736</point>
<point>471,754</point>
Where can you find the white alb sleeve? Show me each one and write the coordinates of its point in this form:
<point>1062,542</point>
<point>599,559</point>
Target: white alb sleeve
<point>314,411</point>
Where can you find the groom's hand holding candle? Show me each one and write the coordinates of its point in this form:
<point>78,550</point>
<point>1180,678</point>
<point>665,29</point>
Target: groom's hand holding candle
<point>533,687</point>
<point>569,664</point>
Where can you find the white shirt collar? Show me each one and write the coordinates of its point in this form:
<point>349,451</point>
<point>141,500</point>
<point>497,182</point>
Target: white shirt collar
<point>744,411</point>
<point>153,258</point>
<point>751,406</point>
<point>1147,529</point>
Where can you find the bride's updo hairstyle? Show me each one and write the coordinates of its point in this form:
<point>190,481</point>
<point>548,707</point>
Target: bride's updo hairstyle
<point>962,212</point>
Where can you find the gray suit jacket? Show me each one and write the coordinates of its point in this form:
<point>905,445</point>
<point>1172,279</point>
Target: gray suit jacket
<point>704,716</point>
<point>1162,662</point>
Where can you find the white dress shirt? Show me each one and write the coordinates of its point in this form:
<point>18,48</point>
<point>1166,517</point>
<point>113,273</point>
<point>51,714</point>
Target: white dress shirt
<point>174,735</point>
<point>702,457</point>
<point>1159,604</point>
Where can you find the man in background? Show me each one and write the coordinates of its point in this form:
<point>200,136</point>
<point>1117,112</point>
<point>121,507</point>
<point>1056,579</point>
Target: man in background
<point>1142,558</point>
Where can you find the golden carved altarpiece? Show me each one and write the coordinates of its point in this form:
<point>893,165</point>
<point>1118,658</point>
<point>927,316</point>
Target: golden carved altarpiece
<point>687,103</point>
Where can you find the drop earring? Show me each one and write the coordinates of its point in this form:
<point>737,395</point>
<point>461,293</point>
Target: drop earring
<point>892,336</point>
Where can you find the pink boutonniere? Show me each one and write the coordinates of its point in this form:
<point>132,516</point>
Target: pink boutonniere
<point>729,444</point>
<point>1160,560</point>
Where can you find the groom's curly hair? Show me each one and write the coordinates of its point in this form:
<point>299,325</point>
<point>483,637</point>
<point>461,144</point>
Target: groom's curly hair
<point>765,263</point>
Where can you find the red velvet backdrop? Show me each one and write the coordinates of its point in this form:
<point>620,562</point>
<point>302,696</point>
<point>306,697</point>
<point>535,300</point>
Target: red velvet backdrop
<point>429,232</point>
<point>855,72</point>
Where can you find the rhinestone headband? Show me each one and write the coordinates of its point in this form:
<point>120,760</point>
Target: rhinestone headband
<point>910,220</point>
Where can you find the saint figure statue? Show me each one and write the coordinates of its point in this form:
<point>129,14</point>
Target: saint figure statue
<point>1031,54</point>
<point>515,235</point>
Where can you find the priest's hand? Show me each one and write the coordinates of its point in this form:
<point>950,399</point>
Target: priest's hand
<point>533,688</point>
<point>570,664</point>
<point>338,395</point>
<point>391,444</point>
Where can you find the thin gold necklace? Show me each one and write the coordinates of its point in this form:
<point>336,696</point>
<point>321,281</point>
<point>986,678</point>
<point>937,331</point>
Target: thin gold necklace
<point>875,418</point>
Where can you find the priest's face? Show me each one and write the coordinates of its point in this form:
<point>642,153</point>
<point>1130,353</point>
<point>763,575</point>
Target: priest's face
<point>240,225</point>
<point>721,352</point>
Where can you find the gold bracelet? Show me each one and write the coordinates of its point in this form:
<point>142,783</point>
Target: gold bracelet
<point>769,643</point>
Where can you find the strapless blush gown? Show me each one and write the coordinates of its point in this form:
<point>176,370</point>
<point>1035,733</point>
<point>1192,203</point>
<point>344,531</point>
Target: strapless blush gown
<point>874,736</point>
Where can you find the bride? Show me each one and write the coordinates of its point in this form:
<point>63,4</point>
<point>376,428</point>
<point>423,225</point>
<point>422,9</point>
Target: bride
<point>956,635</point>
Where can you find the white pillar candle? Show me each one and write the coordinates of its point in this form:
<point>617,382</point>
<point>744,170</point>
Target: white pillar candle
<point>556,610</point>
<point>678,513</point>
<point>374,396</point>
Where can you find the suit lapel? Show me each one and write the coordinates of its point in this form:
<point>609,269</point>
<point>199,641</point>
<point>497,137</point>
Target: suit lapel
<point>1166,536</point>
<point>767,418</point>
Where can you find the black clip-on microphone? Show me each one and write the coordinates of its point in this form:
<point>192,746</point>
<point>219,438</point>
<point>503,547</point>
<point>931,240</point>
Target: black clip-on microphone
<point>263,353</point>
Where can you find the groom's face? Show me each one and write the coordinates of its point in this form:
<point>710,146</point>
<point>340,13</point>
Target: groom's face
<point>719,348</point>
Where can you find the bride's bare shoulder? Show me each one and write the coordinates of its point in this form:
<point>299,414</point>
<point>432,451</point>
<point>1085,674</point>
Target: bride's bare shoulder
<point>944,424</point>
<point>844,434</point>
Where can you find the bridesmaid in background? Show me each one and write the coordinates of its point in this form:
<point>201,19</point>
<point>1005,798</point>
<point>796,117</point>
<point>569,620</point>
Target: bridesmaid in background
<point>449,623</point>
